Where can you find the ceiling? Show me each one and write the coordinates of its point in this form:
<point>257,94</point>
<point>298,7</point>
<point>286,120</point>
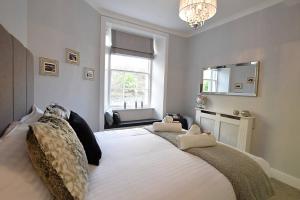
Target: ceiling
<point>164,13</point>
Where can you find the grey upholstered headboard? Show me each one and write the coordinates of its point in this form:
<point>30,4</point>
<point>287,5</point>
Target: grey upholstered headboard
<point>16,79</point>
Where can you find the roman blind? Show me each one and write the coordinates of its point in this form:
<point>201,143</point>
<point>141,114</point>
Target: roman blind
<point>130,44</point>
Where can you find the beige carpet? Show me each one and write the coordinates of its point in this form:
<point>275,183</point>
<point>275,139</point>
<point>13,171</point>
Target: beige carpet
<point>284,192</point>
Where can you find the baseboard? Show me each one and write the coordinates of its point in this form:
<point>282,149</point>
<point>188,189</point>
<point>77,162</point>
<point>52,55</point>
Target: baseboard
<point>285,178</point>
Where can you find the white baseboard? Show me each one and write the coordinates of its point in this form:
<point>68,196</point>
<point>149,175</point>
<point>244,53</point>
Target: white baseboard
<point>285,178</point>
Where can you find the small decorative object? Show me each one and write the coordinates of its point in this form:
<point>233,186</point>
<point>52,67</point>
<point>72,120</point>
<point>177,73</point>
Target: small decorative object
<point>135,104</point>
<point>124,105</point>
<point>48,67</point>
<point>246,113</point>
<point>201,100</point>
<point>88,73</point>
<point>238,86</point>
<point>250,80</point>
<point>236,112</point>
<point>142,104</point>
<point>72,56</point>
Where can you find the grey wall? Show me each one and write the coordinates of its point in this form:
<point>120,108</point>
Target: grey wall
<point>59,24</point>
<point>53,26</point>
<point>13,16</point>
<point>273,37</point>
<point>176,70</point>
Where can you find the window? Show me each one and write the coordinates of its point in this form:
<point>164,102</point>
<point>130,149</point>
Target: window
<point>130,81</point>
<point>210,79</point>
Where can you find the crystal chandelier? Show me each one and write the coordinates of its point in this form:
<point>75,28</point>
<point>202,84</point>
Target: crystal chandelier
<point>196,12</point>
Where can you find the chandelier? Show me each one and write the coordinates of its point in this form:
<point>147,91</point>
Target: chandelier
<point>196,12</point>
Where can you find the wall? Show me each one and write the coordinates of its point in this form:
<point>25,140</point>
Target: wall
<point>56,25</point>
<point>273,37</point>
<point>53,26</point>
<point>13,16</point>
<point>176,70</point>
<point>159,77</point>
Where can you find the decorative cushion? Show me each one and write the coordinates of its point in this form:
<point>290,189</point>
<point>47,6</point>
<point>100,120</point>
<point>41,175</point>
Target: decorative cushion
<point>86,137</point>
<point>117,118</point>
<point>189,122</point>
<point>58,157</point>
<point>109,117</point>
<point>57,110</point>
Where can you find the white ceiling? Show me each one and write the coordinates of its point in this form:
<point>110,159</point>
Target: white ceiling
<point>164,13</point>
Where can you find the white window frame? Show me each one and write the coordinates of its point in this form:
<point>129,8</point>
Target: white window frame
<point>109,82</point>
<point>212,80</point>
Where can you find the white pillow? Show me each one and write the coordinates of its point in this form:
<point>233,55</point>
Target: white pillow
<point>18,178</point>
<point>192,141</point>
<point>32,117</point>
<point>10,128</point>
<point>167,127</point>
<point>194,130</point>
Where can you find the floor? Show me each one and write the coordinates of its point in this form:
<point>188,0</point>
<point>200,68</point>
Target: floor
<point>284,192</point>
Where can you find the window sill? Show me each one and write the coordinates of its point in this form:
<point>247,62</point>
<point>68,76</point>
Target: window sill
<point>131,109</point>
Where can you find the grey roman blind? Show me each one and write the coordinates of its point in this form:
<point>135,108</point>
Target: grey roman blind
<point>130,44</point>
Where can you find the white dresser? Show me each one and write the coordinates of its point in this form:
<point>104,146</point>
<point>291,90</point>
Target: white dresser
<point>233,130</point>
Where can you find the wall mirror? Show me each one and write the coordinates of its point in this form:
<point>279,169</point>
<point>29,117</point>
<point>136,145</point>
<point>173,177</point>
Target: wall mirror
<point>235,79</point>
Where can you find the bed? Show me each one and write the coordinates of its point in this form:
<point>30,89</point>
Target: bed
<point>136,164</point>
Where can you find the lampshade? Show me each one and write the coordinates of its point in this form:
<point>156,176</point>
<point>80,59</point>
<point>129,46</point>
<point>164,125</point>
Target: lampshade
<point>196,12</point>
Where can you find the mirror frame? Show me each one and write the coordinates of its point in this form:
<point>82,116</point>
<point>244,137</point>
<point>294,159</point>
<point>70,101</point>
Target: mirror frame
<point>255,94</point>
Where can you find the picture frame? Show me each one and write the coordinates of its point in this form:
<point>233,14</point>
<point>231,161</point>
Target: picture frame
<point>88,73</point>
<point>48,67</point>
<point>238,86</point>
<point>72,56</point>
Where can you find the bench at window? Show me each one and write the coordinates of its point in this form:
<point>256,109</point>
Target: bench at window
<point>137,123</point>
<point>113,119</point>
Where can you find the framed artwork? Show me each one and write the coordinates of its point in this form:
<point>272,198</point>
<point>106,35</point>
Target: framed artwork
<point>48,67</point>
<point>72,56</point>
<point>238,86</point>
<point>88,73</point>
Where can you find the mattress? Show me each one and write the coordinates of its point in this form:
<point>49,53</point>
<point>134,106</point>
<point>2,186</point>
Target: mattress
<point>135,165</point>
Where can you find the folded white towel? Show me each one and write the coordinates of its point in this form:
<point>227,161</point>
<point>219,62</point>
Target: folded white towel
<point>194,130</point>
<point>168,119</point>
<point>167,127</point>
<point>192,141</point>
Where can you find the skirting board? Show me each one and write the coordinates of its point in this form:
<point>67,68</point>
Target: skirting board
<point>285,178</point>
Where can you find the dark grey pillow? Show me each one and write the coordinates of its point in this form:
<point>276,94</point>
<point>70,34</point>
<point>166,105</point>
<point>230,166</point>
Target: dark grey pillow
<point>117,118</point>
<point>189,120</point>
<point>86,137</point>
<point>109,118</point>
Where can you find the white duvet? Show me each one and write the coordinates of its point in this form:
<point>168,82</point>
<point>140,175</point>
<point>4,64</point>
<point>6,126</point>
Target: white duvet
<point>135,165</point>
